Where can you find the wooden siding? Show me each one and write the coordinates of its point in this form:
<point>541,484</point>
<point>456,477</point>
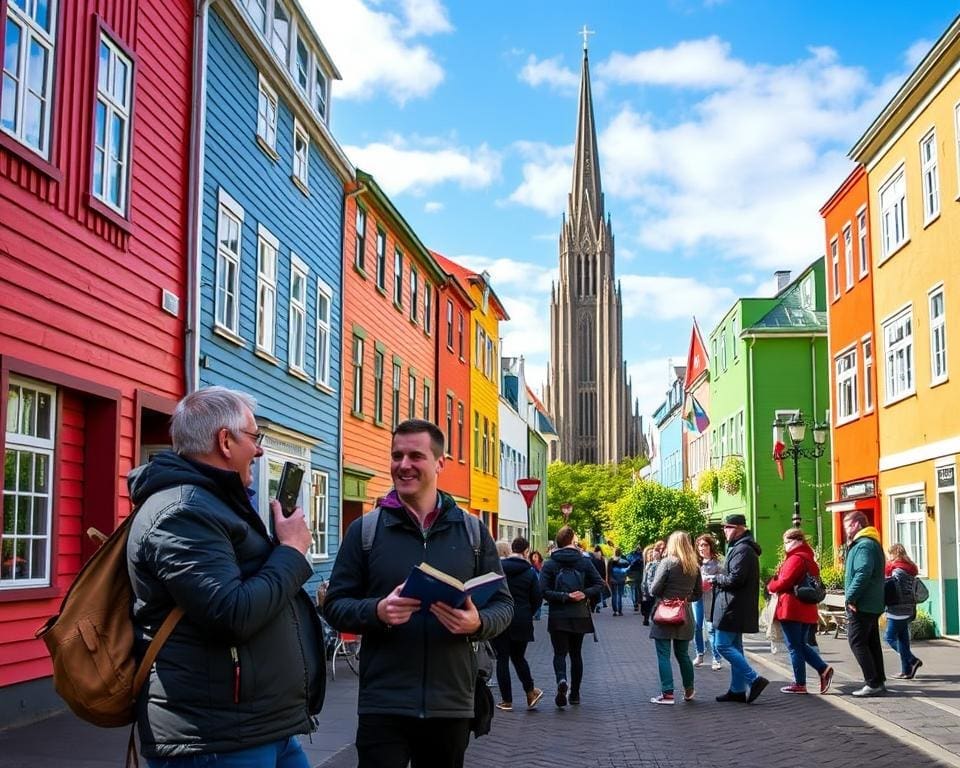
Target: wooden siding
<point>485,400</point>
<point>306,225</point>
<point>453,377</point>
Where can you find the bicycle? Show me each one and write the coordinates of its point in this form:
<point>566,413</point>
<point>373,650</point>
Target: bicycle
<point>346,645</point>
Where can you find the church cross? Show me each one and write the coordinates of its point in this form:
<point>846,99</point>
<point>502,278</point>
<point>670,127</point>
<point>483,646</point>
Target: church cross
<point>586,32</point>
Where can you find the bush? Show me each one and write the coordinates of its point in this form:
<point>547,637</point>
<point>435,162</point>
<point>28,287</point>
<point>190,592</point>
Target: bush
<point>922,627</point>
<point>707,482</point>
<point>731,475</point>
<point>832,576</point>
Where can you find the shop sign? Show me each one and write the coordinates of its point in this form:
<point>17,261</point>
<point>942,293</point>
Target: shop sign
<point>859,488</point>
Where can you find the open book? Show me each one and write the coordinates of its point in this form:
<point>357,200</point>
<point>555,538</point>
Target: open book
<point>429,584</point>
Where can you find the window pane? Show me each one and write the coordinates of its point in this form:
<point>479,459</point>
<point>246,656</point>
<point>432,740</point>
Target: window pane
<point>120,77</point>
<point>103,69</point>
<point>303,64</point>
<point>9,508</point>
<point>37,67</point>
<point>281,31</point>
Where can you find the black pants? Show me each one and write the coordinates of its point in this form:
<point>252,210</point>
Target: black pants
<point>568,644</point>
<point>511,650</point>
<point>863,634</point>
<point>392,741</point>
<point>646,607</point>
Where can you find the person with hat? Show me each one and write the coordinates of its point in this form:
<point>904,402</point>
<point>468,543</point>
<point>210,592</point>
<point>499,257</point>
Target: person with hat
<point>736,608</point>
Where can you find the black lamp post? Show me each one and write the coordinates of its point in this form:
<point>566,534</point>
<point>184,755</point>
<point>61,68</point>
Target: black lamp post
<point>797,429</point>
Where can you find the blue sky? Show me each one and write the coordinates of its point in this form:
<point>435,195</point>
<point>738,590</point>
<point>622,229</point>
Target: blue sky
<point>723,127</point>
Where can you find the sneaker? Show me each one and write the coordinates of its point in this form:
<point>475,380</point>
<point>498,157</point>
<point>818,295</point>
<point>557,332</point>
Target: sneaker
<point>740,696</point>
<point>698,660</point>
<point>574,698</point>
<point>506,706</point>
<point>716,665</point>
<point>756,688</point>
<point>914,667</point>
<point>901,676</point>
<point>663,698</point>
<point>533,698</point>
<point>688,694</point>
<point>561,698</point>
<point>826,678</point>
<point>869,691</point>
<point>795,688</point>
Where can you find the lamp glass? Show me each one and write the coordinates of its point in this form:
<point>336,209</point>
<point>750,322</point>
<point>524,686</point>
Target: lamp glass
<point>797,431</point>
<point>819,435</point>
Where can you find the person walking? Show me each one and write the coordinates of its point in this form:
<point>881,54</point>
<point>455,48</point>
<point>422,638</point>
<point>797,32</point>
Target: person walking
<point>617,571</point>
<point>511,645</point>
<point>706,547</point>
<point>568,581</point>
<point>795,616</point>
<point>536,560</point>
<point>863,592</point>
<point>635,577</point>
<point>736,608</point>
<point>901,574</point>
<point>677,578</point>
<point>600,563</point>
<point>651,557</point>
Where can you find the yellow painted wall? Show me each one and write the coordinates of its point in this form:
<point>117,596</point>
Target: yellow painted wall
<point>484,400</point>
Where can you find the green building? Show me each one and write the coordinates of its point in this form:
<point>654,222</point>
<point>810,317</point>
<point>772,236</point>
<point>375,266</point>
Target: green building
<point>768,360</point>
<point>537,467</point>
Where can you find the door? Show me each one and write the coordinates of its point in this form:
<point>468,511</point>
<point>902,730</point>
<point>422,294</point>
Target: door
<point>949,561</point>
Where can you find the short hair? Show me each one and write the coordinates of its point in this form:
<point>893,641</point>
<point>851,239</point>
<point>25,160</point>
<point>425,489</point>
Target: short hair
<point>519,545</point>
<point>200,415</point>
<point>565,536</point>
<point>503,548</point>
<point>416,427</point>
<point>711,542</point>
<point>795,534</point>
<point>857,515</point>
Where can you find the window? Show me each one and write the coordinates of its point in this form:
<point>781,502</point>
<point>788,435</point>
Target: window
<point>449,324</point>
<point>449,425</point>
<point>381,259</point>
<point>723,440</point>
<point>898,355</point>
<point>460,431</point>
<point>414,288</point>
<point>257,10</point>
<point>411,396</point>
<point>723,349</point>
<point>893,213</point>
<point>867,343</point>
<point>734,333</point>
<point>298,314</point>
<point>378,386</point>
<point>301,71</point>
<point>938,337</point>
<point>357,375</point>
<point>427,307</point>
<point>835,266</point>
<point>324,299</point>
<point>426,400</point>
<point>111,133</point>
<point>320,93</point>
<point>267,246</point>
<point>396,394</point>
<point>460,334</point>
<point>318,521</point>
<point>494,461</point>
<point>930,176</point>
<point>476,440</point>
<point>280,37</point>
<point>848,256</point>
<point>485,453</point>
<point>910,526</point>
<point>846,377</point>
<point>301,154</point>
<point>227,298</point>
<point>267,115</point>
<point>398,277</point>
<point>27,90</point>
<point>28,485</point>
<point>862,237</point>
<point>714,358</point>
<point>361,241</point>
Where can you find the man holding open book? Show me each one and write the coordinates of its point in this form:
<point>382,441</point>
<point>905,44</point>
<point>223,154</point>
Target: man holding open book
<point>417,665</point>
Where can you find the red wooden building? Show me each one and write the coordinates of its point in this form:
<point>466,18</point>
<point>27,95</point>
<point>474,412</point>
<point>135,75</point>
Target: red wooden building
<point>95,116</point>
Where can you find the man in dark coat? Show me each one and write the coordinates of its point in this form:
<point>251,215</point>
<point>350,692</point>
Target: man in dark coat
<point>863,589</point>
<point>736,608</point>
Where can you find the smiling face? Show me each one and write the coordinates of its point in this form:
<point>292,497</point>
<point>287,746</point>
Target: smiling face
<point>413,466</point>
<point>242,449</point>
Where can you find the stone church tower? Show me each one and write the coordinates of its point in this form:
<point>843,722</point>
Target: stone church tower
<point>588,391</point>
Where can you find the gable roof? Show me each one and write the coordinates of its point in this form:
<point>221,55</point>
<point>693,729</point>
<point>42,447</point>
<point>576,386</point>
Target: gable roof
<point>790,315</point>
<point>467,277</point>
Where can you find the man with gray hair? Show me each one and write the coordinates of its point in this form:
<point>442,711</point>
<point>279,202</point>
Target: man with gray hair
<point>242,673</point>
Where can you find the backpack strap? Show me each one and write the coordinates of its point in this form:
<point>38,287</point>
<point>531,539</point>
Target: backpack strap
<point>473,533</point>
<point>368,528</point>
<point>154,648</point>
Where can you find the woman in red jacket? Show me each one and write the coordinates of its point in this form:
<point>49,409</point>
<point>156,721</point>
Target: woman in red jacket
<point>902,609</point>
<point>795,616</point>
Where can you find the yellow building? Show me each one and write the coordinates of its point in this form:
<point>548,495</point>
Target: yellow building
<point>910,153</point>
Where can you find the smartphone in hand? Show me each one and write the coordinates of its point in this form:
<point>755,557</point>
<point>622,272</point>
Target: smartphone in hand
<point>288,491</point>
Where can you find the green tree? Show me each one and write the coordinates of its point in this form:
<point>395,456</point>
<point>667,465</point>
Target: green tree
<point>648,511</point>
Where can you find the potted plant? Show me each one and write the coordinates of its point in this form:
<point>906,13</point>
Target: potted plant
<point>707,482</point>
<point>731,475</point>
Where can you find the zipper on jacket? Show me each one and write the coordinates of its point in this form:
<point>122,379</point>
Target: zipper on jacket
<point>236,673</point>
<point>303,659</point>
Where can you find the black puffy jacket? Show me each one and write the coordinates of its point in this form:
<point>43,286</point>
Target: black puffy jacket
<point>243,666</point>
<point>524,585</point>
<point>736,596</point>
<point>568,615</point>
<point>417,669</point>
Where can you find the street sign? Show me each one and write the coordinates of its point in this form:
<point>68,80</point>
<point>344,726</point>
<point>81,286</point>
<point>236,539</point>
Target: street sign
<point>528,488</point>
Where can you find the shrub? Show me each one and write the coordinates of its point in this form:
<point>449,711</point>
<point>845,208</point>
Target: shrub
<point>731,475</point>
<point>707,482</point>
<point>922,627</point>
<point>832,576</point>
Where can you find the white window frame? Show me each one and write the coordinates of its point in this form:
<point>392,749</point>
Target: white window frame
<point>395,380</point>
<point>263,14</point>
<point>411,394</point>
<point>414,294</point>
<point>268,108</point>
<point>296,72</point>
<point>358,342</point>
<point>427,307</point>
<point>31,33</point>
<point>898,357</point>
<point>866,344</point>
<point>379,357</point>
<point>360,238</point>
<point>111,163</point>
<point>297,329</point>
<point>319,514</point>
<point>301,154</point>
<point>835,268</point>
<point>734,333</point>
<point>398,277</point>
<point>938,336</point>
<point>862,242</point>
<point>381,255</point>
<point>723,349</point>
<point>848,255</point>
<point>268,248</point>
<point>324,298</point>
<point>912,514</point>
<point>894,229</point>
<point>846,374</point>
<point>227,316</point>
<point>930,176</point>
<point>26,442</point>
<point>427,398</point>
<point>275,39</point>
<point>318,96</point>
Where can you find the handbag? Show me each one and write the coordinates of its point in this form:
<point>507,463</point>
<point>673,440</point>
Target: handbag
<point>670,611</point>
<point>482,697</point>
<point>810,589</point>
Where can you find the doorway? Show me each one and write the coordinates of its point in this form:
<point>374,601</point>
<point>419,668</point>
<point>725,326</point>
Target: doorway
<point>949,561</point>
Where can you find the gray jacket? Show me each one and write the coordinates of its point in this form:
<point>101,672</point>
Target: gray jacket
<point>671,581</point>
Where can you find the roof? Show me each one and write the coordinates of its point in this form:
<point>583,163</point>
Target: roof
<point>544,424</point>
<point>467,277</point>
<point>788,315</point>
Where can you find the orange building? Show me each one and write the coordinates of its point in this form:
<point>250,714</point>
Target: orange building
<point>453,384</point>
<point>390,289</point>
<point>853,356</point>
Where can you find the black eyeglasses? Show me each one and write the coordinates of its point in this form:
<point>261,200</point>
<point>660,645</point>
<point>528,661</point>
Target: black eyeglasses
<point>257,437</point>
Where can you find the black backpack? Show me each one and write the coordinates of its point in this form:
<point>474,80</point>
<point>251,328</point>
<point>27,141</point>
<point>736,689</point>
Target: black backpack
<point>569,579</point>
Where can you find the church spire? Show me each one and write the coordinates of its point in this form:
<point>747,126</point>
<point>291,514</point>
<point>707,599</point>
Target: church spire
<point>585,191</point>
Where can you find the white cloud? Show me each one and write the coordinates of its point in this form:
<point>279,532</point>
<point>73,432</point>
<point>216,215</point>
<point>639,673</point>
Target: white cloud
<point>916,53</point>
<point>660,298</point>
<point>546,177</point>
<point>372,51</point>
<point>432,206</point>
<point>550,72</point>
<point>691,63</point>
<point>650,380</point>
<point>401,167</point>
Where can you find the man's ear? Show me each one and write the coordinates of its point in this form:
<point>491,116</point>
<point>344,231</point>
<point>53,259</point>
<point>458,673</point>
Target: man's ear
<point>225,443</point>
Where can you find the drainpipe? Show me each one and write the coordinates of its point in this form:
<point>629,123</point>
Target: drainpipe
<point>752,490</point>
<point>198,111</point>
<point>816,463</point>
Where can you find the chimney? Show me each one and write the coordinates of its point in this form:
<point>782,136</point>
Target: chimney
<point>783,279</point>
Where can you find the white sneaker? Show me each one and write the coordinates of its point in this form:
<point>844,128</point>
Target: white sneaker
<point>698,660</point>
<point>869,691</point>
<point>716,665</point>
<point>663,699</point>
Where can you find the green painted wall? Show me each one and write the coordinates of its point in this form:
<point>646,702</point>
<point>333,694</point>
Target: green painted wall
<point>537,467</point>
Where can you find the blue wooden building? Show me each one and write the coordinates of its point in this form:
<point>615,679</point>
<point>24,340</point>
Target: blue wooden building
<point>269,312</point>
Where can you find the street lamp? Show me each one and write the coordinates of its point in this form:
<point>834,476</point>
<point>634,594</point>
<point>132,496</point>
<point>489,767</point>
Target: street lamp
<point>797,429</point>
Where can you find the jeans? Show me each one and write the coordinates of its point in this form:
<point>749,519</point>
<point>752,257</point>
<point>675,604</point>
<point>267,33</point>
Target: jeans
<point>681,649</point>
<point>635,594</point>
<point>285,753</point>
<point>898,638</point>
<point>616,596</point>
<point>730,646</point>
<point>712,639</point>
<point>863,634</point>
<point>511,650</point>
<point>393,741</point>
<point>797,635</point>
<point>698,629</point>
<point>564,644</point>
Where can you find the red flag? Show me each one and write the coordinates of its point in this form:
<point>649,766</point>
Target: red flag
<point>778,457</point>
